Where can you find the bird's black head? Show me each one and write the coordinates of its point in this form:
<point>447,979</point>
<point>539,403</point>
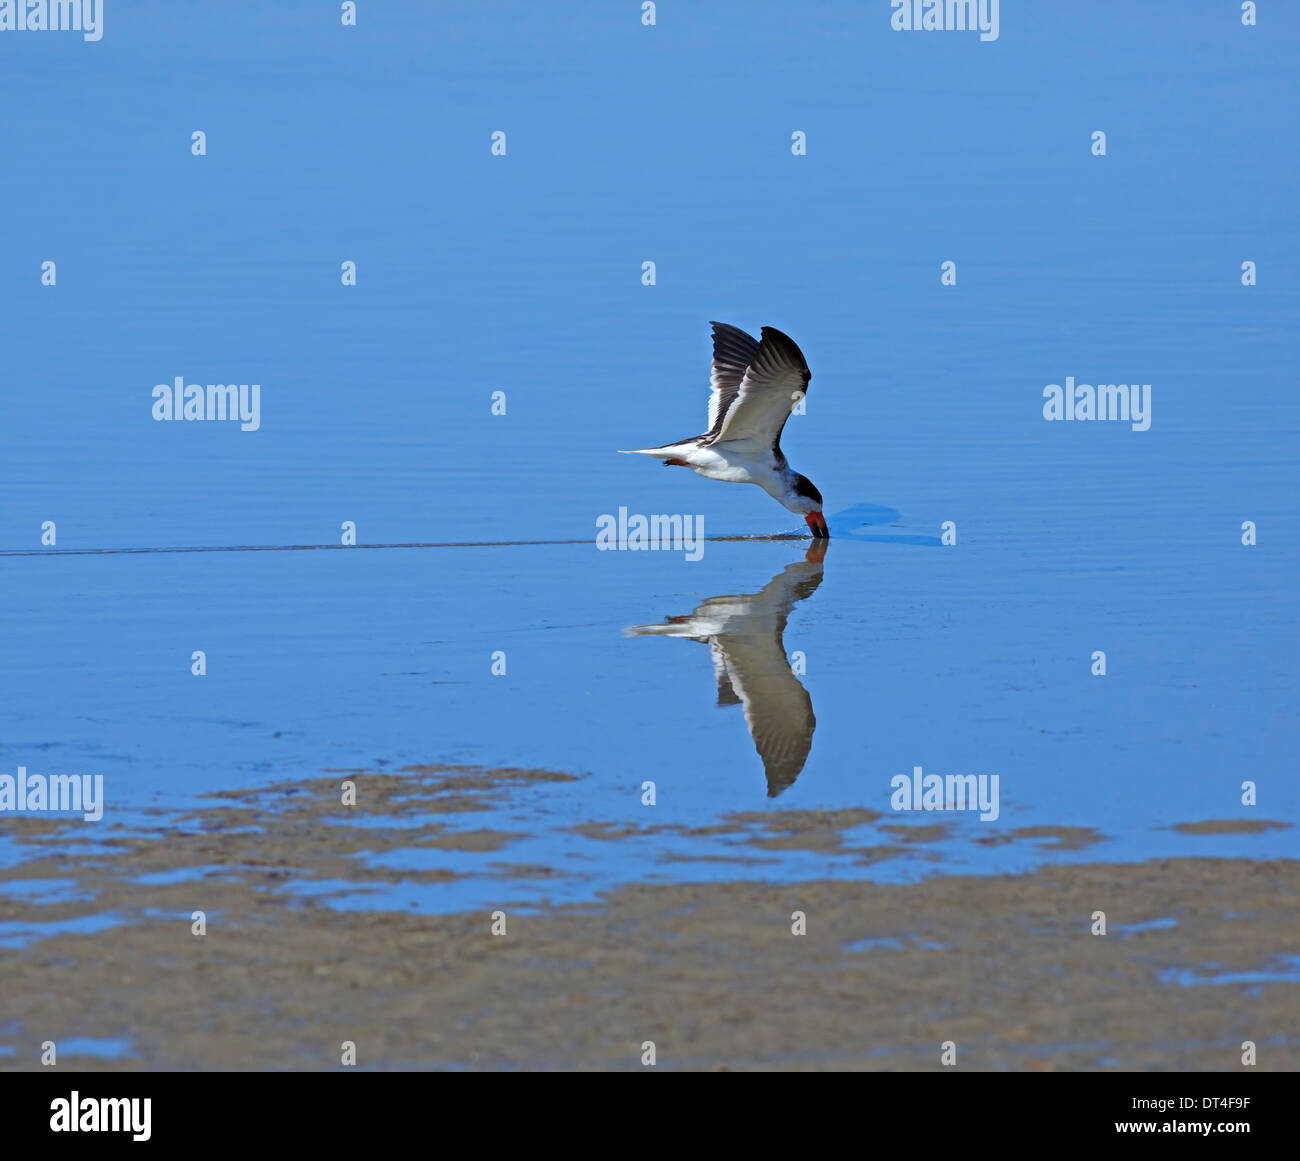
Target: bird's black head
<point>803,486</point>
<point>810,505</point>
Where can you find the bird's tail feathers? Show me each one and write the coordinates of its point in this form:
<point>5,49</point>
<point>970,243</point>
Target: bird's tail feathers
<point>668,451</point>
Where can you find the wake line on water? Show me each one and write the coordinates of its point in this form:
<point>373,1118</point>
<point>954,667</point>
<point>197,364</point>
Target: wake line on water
<point>861,514</point>
<point>6,552</point>
<point>928,541</point>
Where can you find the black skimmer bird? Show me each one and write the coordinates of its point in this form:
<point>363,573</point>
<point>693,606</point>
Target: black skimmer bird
<point>746,636</point>
<point>755,386</point>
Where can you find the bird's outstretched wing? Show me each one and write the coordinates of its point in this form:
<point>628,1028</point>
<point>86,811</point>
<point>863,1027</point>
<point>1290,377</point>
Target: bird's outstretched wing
<point>733,351</point>
<point>776,378</point>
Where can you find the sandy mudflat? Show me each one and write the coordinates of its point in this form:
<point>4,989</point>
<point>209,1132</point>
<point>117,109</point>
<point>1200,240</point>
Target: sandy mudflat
<point>1004,966</point>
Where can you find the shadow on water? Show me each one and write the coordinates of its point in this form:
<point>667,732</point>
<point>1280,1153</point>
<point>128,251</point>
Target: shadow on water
<point>852,524</point>
<point>745,634</point>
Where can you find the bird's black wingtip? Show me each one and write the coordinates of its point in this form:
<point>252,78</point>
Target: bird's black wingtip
<point>781,342</point>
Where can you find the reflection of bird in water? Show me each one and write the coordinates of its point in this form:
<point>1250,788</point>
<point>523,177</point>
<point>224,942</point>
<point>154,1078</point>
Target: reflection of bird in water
<point>749,661</point>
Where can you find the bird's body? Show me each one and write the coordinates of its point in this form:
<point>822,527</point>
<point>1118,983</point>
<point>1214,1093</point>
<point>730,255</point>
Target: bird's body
<point>755,385</point>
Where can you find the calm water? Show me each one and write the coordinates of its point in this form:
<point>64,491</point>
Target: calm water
<point>522,274</point>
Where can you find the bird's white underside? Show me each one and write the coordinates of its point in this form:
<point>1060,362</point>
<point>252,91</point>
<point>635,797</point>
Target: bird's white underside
<point>738,462</point>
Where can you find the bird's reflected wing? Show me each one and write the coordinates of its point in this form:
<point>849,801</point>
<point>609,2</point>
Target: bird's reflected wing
<point>778,710</point>
<point>726,691</point>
